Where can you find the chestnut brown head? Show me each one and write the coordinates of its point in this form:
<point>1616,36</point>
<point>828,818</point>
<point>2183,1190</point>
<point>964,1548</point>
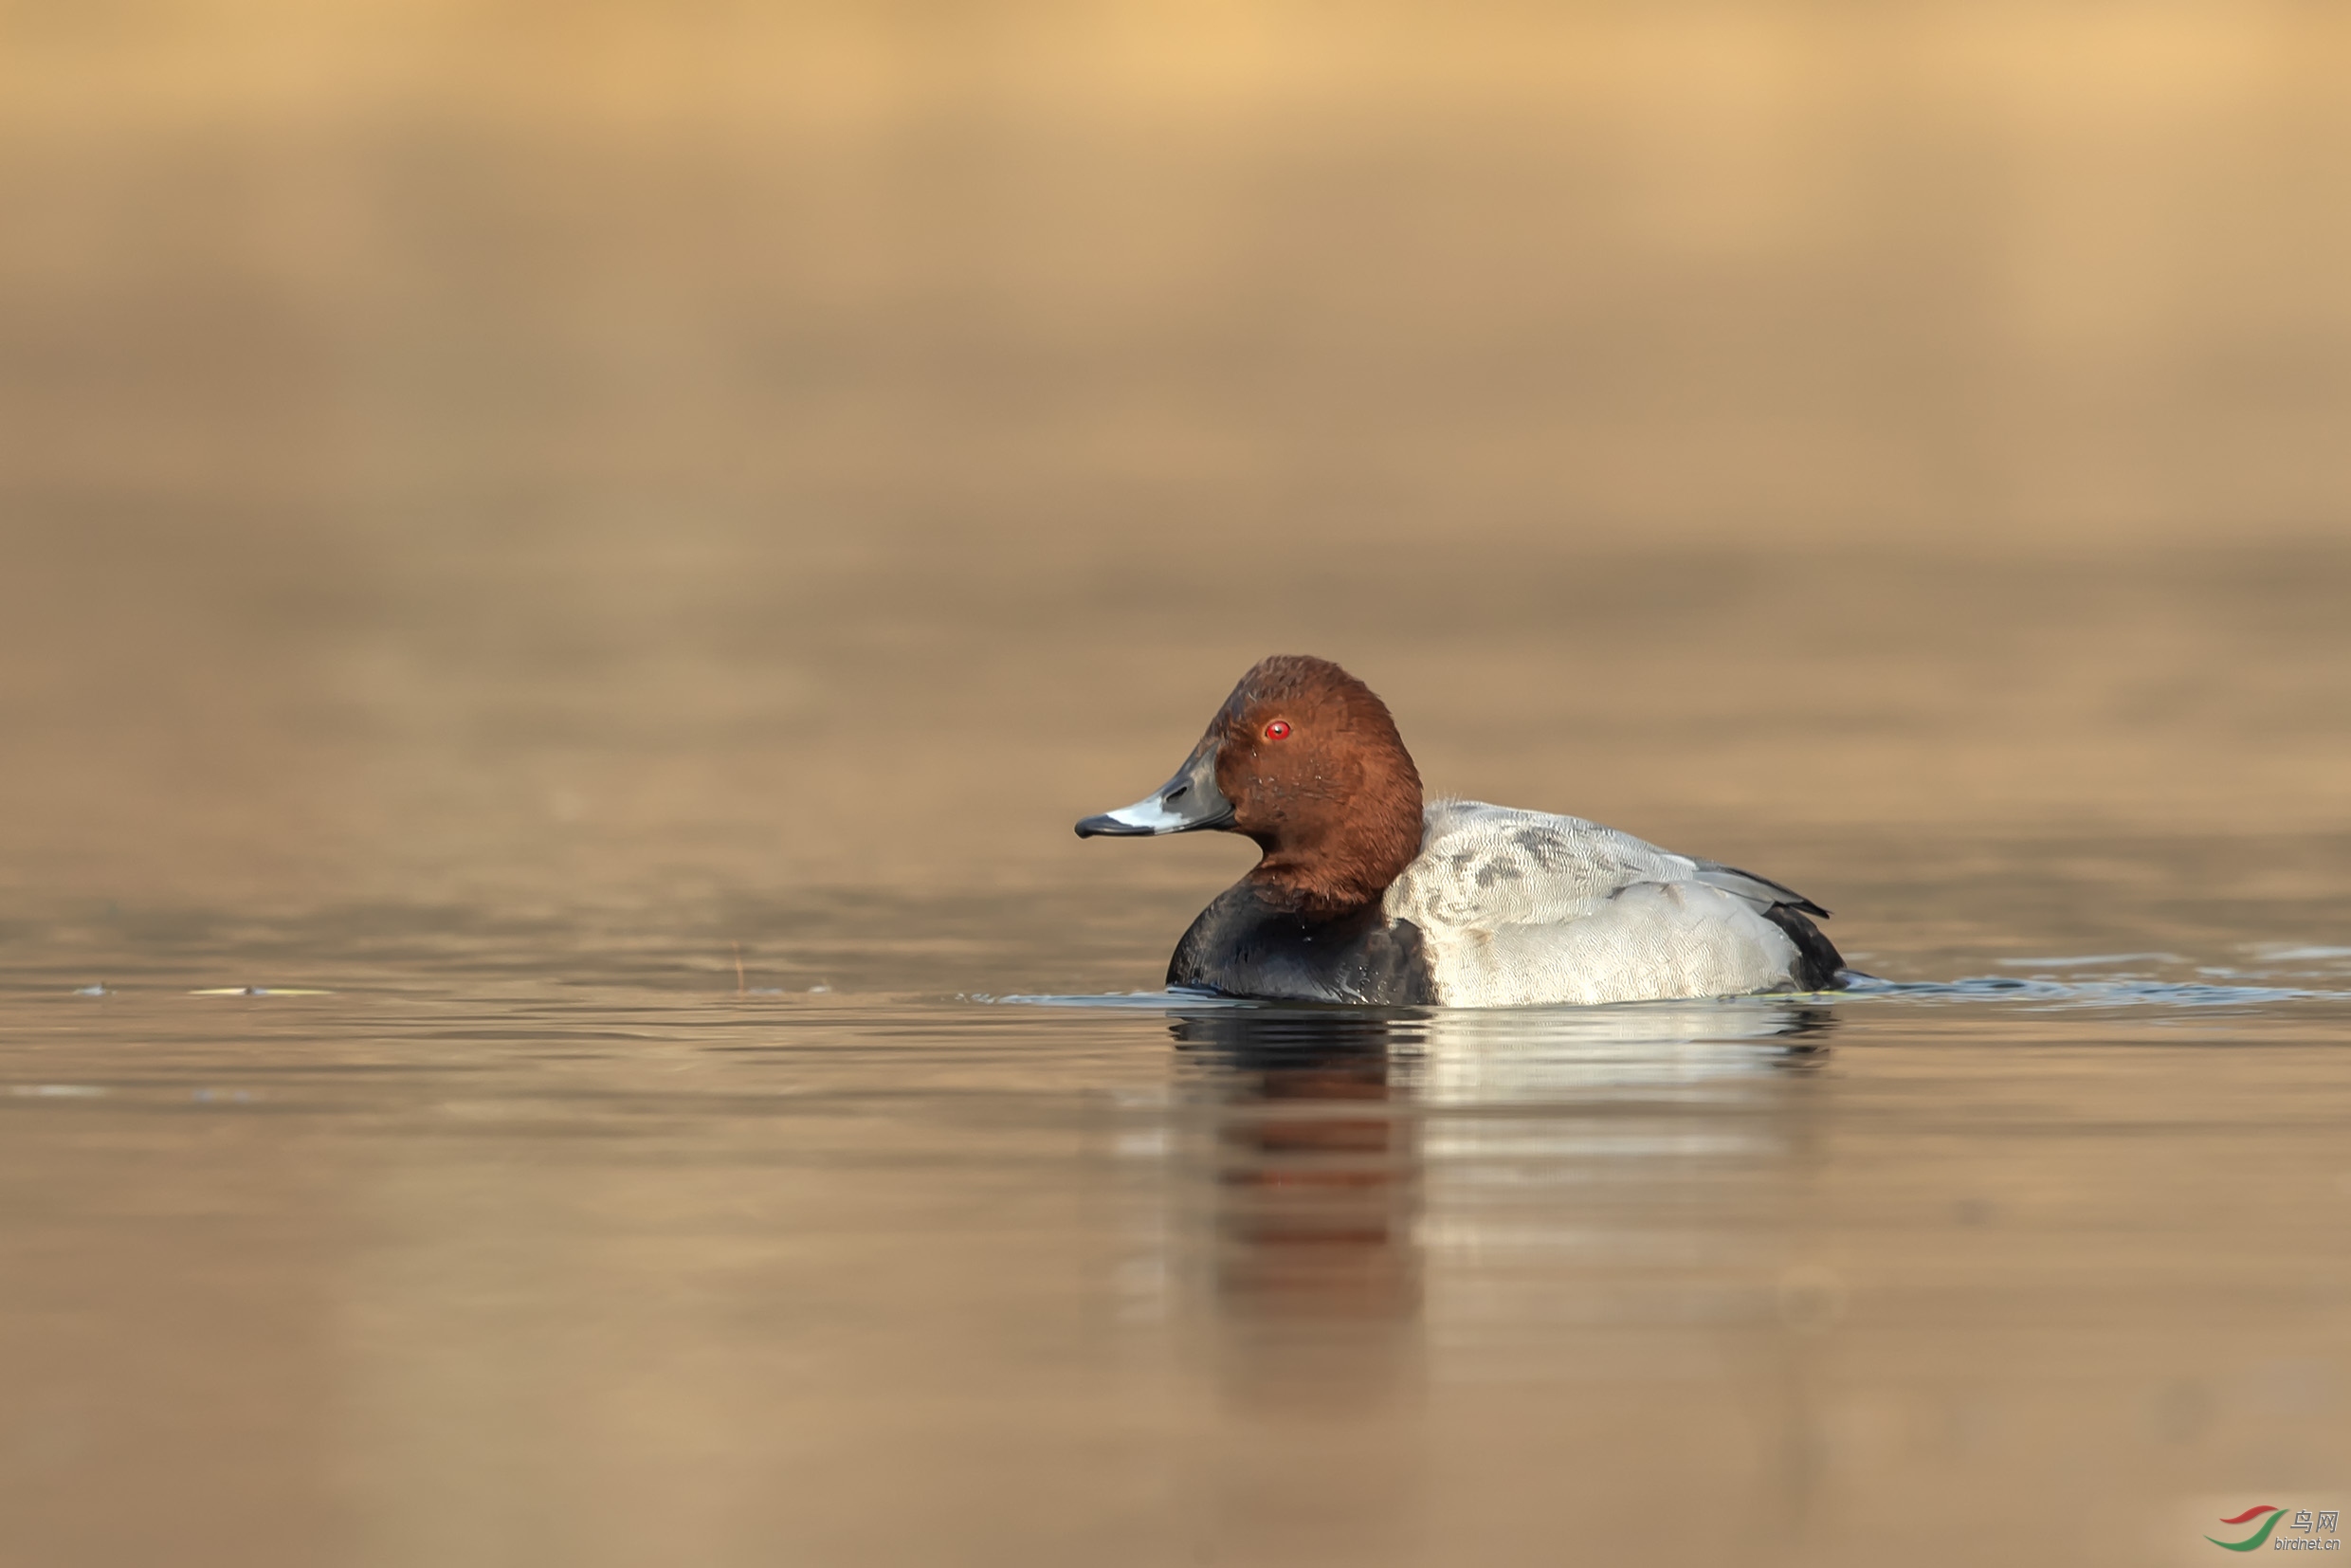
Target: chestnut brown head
<point>1305,759</point>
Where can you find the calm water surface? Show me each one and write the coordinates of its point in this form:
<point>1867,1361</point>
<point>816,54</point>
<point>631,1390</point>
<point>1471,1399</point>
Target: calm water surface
<point>508,513</point>
<point>552,1241</point>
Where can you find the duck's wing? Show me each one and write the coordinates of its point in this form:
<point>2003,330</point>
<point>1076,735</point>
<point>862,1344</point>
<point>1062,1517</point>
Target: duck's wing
<point>1484,867</point>
<point>1527,906</point>
<point>1760,891</point>
<point>1819,966</point>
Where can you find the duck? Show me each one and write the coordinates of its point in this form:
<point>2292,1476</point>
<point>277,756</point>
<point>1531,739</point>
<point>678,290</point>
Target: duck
<point>1365,893</point>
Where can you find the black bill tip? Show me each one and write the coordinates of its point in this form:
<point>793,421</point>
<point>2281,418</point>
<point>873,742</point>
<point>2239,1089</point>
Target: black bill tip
<point>1106,826</point>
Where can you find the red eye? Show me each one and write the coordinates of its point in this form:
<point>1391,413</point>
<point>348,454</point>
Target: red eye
<point>1277,730</point>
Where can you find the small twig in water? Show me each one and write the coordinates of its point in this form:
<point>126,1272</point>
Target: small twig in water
<point>738,969</point>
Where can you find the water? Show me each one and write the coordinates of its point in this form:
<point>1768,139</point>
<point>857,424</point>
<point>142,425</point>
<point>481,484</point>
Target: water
<point>558,1243</point>
<point>565,572</point>
<point>610,1054</point>
<point>514,1223</point>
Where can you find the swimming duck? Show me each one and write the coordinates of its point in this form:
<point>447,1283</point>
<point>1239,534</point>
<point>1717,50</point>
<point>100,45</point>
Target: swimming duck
<point>1367,894</point>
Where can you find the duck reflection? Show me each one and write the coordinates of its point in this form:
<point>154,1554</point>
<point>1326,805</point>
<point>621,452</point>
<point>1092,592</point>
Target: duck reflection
<point>1302,1202</point>
<point>1359,1191</point>
<point>1321,1121</point>
<point>1316,1163</point>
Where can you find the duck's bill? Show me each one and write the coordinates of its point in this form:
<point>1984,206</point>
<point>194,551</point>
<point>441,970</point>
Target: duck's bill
<point>1185,804</point>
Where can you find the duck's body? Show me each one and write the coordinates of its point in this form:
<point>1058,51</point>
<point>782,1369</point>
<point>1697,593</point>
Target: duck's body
<point>1363,897</point>
<point>1507,908</point>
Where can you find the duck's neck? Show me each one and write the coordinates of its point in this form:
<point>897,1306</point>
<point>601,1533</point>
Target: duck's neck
<point>1347,865</point>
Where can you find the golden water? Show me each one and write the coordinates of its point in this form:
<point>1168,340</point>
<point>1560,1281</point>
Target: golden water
<point>595,559</point>
<point>541,1235</point>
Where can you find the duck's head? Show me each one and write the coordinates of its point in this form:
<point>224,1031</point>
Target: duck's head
<point>1305,759</point>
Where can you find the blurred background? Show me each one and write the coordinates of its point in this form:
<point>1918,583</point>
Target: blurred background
<point>510,509</point>
<point>525,453</point>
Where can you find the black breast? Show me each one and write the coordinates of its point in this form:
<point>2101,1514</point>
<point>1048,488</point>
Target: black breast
<point>1242,947</point>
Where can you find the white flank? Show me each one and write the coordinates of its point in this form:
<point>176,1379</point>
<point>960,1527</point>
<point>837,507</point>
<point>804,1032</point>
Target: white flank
<point>1520,907</point>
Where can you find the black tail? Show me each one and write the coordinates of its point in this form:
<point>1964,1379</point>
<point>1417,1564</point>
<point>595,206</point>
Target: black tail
<point>1817,962</point>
